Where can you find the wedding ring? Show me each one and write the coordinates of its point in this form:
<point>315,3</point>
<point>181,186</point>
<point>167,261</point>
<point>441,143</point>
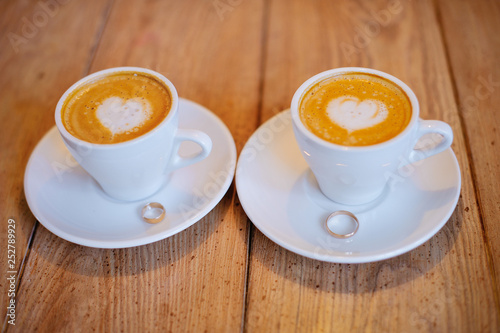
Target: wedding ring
<point>342,224</point>
<point>153,212</point>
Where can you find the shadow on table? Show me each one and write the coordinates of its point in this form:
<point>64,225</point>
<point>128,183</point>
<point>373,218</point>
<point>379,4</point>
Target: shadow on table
<point>358,278</point>
<point>354,278</point>
<point>165,255</point>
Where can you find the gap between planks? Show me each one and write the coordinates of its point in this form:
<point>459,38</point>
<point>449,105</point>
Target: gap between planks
<point>463,125</point>
<point>260,104</point>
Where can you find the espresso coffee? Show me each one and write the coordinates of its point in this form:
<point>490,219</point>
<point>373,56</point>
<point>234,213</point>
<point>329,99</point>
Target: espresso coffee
<point>355,109</point>
<point>117,107</point>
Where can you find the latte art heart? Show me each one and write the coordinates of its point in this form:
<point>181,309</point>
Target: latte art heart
<point>353,114</point>
<point>121,116</point>
<point>355,109</point>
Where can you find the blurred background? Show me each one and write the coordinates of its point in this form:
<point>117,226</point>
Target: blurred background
<point>243,60</point>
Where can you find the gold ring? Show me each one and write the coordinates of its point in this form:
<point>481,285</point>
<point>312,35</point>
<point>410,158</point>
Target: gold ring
<point>153,212</point>
<point>334,216</point>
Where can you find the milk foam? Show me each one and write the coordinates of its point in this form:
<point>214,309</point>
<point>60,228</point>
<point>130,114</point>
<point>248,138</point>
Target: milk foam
<point>121,116</point>
<point>352,114</point>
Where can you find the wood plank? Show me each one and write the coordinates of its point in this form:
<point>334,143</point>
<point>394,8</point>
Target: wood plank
<point>195,280</point>
<point>35,72</point>
<point>473,43</point>
<point>442,286</point>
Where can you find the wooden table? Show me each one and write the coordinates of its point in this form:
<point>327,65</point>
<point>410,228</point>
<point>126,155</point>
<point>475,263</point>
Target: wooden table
<point>243,59</point>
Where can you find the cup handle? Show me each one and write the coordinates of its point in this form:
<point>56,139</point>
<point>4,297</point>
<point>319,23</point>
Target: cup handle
<point>202,139</point>
<point>430,146</point>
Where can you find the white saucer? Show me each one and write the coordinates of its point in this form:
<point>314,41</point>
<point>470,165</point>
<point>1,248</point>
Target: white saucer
<point>282,198</point>
<point>69,203</point>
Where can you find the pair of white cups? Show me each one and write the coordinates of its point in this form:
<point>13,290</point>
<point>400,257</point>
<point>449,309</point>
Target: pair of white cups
<point>136,169</point>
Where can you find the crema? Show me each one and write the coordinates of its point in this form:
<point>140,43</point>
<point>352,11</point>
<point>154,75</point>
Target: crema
<point>355,109</point>
<point>117,107</point>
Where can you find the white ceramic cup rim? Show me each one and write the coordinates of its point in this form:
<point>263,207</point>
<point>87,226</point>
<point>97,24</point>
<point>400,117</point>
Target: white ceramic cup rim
<point>344,70</point>
<point>105,146</point>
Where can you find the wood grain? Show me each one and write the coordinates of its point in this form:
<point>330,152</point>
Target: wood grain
<point>445,284</point>
<point>43,52</point>
<point>195,280</point>
<point>244,60</point>
<point>471,36</point>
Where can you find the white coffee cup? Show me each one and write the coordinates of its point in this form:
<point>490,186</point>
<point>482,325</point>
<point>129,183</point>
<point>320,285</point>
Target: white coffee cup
<point>135,169</point>
<point>355,175</point>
